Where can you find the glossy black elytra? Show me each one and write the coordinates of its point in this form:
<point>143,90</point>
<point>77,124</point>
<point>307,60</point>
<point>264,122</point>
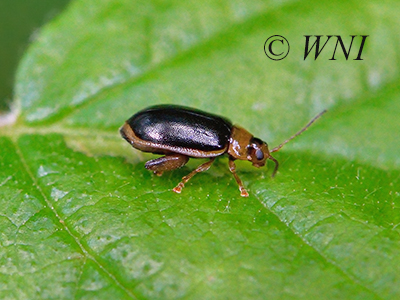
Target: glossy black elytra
<point>181,132</point>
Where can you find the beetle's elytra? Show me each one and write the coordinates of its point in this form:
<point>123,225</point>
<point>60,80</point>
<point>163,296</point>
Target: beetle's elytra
<point>180,132</point>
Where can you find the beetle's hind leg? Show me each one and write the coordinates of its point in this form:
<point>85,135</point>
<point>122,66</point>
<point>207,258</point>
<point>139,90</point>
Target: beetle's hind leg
<point>201,168</point>
<point>166,163</point>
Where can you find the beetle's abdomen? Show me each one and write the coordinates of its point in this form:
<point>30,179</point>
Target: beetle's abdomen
<point>177,126</point>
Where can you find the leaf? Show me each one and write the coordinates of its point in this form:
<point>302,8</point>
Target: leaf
<point>82,218</point>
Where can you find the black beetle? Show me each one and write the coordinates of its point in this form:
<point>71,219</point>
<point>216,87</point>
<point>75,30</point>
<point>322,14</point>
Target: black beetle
<point>181,132</point>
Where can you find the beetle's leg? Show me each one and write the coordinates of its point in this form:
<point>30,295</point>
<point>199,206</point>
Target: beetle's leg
<point>201,168</point>
<point>232,168</point>
<point>166,163</point>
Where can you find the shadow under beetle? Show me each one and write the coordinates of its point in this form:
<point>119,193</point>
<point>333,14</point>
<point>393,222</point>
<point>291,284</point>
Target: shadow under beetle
<point>181,132</point>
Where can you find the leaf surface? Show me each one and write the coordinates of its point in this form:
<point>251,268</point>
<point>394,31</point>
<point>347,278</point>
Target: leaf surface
<point>81,216</point>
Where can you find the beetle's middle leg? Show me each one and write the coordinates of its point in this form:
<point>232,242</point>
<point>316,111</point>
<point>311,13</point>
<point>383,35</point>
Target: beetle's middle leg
<point>166,163</point>
<point>201,168</point>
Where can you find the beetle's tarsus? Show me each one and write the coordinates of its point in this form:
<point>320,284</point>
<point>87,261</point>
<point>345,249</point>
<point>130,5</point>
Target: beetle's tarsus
<point>178,188</point>
<point>244,193</point>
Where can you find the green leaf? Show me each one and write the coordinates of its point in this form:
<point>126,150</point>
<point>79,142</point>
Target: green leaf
<point>82,217</point>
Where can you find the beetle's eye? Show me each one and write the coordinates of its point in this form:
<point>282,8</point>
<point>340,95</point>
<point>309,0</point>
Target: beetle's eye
<point>259,154</point>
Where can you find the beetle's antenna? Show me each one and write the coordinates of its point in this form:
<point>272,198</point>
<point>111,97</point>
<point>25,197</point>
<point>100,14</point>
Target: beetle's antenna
<point>293,136</point>
<point>276,165</point>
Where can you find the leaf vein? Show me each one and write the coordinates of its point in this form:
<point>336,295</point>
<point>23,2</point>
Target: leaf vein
<point>322,255</point>
<point>85,251</point>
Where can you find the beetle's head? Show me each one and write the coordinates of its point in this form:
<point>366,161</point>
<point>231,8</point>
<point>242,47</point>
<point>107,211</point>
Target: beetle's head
<point>258,153</point>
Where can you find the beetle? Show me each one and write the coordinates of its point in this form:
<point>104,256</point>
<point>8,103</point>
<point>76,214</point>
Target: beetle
<point>180,133</point>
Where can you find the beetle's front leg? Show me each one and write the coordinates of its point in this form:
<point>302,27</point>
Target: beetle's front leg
<point>232,168</point>
<point>166,163</point>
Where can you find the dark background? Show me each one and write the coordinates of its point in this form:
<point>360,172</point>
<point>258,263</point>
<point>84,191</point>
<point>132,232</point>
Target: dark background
<point>19,19</point>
